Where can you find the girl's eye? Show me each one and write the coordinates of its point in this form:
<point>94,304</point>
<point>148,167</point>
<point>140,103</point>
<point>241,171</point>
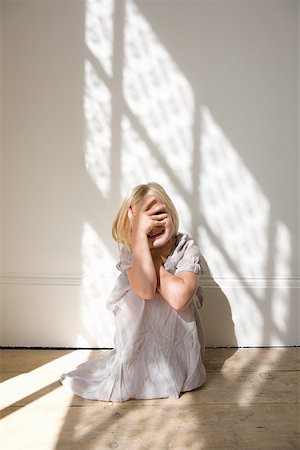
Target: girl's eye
<point>160,212</point>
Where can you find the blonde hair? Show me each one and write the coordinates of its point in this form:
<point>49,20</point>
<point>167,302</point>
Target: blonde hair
<point>121,226</point>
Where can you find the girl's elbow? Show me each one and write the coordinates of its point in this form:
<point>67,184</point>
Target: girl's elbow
<point>145,294</point>
<point>148,296</point>
<point>180,304</point>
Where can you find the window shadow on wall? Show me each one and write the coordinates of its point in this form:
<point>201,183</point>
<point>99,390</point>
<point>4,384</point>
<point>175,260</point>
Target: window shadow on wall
<point>144,121</point>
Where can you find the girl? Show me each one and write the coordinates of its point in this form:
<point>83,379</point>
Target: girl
<point>159,340</point>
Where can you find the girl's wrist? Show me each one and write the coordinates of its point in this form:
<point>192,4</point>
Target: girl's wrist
<point>137,237</point>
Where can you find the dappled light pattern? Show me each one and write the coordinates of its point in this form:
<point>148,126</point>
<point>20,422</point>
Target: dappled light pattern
<point>234,206</point>
<point>282,274</point>
<point>283,253</point>
<point>248,249</point>
<point>97,111</point>
<point>98,264</point>
<point>99,31</point>
<point>237,240</point>
<point>99,275</point>
<point>245,310</point>
<point>139,164</point>
<point>165,136</point>
<point>250,394</point>
<point>159,96</point>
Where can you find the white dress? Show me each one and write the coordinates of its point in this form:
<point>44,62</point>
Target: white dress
<point>158,351</point>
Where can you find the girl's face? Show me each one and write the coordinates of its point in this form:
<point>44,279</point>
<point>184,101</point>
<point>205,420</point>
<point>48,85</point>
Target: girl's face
<point>161,234</point>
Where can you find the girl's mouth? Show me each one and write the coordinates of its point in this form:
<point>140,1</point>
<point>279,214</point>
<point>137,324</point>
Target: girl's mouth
<point>156,233</point>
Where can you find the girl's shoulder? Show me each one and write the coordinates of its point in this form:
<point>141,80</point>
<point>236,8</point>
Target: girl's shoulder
<point>184,240</point>
<point>186,245</point>
<point>186,256</point>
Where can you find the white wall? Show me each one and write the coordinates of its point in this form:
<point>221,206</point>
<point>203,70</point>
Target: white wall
<point>99,96</point>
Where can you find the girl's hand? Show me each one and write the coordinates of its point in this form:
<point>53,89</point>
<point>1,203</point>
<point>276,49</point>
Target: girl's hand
<point>143,216</point>
<point>146,215</point>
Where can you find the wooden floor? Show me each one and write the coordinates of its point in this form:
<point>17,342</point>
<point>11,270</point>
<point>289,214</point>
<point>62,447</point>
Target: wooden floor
<point>250,401</point>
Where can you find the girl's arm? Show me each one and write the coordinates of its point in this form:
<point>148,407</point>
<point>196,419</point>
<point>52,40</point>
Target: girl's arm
<point>178,289</point>
<point>143,275</point>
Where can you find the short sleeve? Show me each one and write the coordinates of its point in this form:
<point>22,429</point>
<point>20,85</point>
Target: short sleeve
<point>125,261</point>
<point>191,260</point>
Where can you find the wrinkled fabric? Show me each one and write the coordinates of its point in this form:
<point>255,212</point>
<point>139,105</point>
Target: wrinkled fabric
<point>158,351</point>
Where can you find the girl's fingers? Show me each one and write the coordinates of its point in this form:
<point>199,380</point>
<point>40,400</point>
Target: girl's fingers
<point>148,202</point>
<point>156,209</point>
<point>159,217</point>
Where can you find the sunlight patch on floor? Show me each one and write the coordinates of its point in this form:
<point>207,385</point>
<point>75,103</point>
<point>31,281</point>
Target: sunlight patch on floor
<point>19,387</point>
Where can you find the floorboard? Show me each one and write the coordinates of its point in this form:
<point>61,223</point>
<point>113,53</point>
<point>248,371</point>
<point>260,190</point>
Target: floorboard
<point>250,401</point>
